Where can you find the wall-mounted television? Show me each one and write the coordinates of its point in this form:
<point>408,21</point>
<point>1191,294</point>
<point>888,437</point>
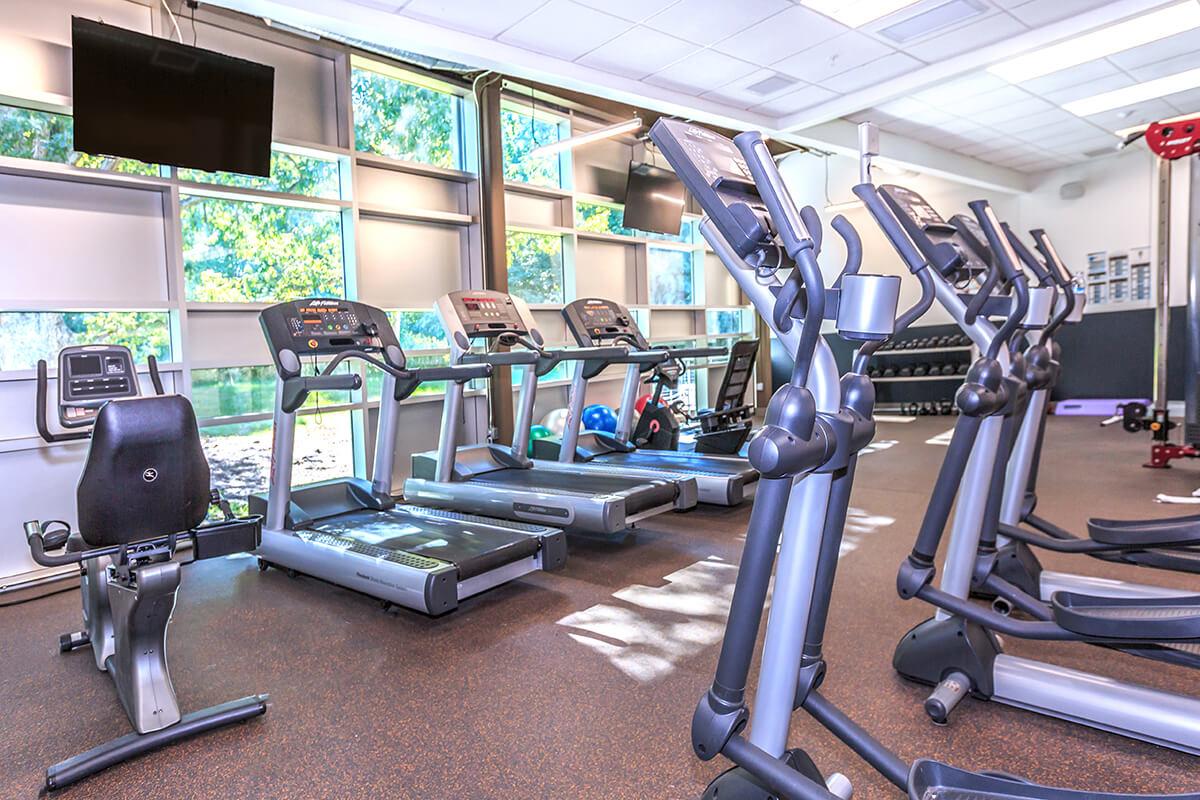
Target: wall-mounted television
<point>654,199</point>
<point>160,101</point>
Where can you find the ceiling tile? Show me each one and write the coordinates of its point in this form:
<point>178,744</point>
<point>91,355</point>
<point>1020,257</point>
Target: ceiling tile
<point>780,36</point>
<point>482,17</point>
<point>1185,102</point>
<point>794,101</point>
<point>1169,66</point>
<point>1036,13</point>
<point>948,94</point>
<point>1177,45</point>
<point>886,68</point>
<point>986,101</point>
<point>700,72</point>
<point>390,6</point>
<point>564,29</point>
<point>1061,133</point>
<point>635,10</point>
<point>833,57</point>
<point>637,53</point>
<point>707,21</point>
<point>1139,113</point>
<point>1009,111</point>
<point>1073,76</point>
<point>1098,86</point>
<point>983,31</point>
<point>738,94</point>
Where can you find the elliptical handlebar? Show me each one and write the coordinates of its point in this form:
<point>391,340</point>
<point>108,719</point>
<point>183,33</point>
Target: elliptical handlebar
<point>800,246</point>
<point>883,216</point>
<point>1005,261</point>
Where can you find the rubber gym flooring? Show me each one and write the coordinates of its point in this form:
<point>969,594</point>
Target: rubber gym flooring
<point>579,684</point>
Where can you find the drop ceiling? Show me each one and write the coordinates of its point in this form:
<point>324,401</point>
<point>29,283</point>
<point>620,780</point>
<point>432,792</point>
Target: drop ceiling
<point>920,72</point>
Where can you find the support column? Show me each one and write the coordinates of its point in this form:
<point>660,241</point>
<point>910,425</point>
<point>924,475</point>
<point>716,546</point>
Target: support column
<point>493,232</point>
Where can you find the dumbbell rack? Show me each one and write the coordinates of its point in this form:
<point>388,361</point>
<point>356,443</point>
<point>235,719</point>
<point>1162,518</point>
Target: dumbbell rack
<point>923,351</point>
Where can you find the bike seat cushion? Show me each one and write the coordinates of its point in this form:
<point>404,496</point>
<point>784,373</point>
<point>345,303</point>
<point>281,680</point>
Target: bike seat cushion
<point>145,474</point>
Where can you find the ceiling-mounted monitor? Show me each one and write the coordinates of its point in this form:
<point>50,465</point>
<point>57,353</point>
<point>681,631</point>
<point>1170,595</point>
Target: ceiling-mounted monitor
<point>654,199</point>
<point>163,102</point>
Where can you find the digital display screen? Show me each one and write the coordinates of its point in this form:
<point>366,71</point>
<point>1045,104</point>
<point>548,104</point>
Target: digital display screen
<point>165,102</point>
<point>85,365</point>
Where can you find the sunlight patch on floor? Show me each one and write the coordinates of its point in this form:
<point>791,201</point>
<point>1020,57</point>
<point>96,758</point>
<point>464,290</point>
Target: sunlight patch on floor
<point>942,439</point>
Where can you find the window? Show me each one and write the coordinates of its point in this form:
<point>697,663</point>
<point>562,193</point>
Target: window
<point>26,336</point>
<point>239,391</point>
<point>728,320</point>
<point>601,218</point>
<point>418,330</point>
<point>562,371</point>
<point>671,277</point>
<point>239,455</point>
<point>44,136</point>
<point>535,266</point>
<point>689,233</point>
<point>237,251</point>
<point>291,173</point>
<point>524,130</point>
<point>402,119</point>
<point>375,377</point>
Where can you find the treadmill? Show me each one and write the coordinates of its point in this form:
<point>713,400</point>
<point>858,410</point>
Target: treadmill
<point>352,532</point>
<point>724,480</point>
<point>501,480</point>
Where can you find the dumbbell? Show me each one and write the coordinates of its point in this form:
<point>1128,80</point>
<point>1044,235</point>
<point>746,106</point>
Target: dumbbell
<point>946,407</point>
<point>920,370</point>
<point>961,369</point>
<point>889,372</point>
<point>873,372</point>
<point>949,369</point>
<point>905,371</point>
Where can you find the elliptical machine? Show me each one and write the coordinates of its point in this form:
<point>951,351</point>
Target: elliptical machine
<point>144,491</point>
<point>807,453</point>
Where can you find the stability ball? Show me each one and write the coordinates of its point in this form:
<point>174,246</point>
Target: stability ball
<point>535,433</point>
<point>642,402</point>
<point>555,421</point>
<point>597,417</point>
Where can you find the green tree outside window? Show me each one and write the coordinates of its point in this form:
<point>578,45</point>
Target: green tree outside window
<point>402,120</point>
<point>44,136</point>
<point>26,336</point>
<point>239,251</point>
<point>522,133</point>
<point>671,277</point>
<point>535,266</point>
<point>291,173</point>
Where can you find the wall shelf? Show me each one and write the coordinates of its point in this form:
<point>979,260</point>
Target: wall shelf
<point>918,351</point>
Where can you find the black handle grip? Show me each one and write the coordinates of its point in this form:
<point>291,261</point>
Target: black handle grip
<point>155,377</point>
<point>854,249</point>
<point>1027,258</point>
<point>786,218</point>
<point>812,221</point>
<point>459,373</point>
<point>870,198</point>
<point>43,427</point>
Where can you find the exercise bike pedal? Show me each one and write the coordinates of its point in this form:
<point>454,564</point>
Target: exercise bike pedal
<point>73,641</point>
<point>946,696</point>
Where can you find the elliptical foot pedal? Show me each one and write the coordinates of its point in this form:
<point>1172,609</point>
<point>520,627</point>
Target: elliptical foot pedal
<point>1130,618</point>
<point>738,784</point>
<point>930,780</point>
<point>1169,532</point>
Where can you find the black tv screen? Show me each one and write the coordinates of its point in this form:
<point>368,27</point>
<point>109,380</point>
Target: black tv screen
<point>156,100</point>
<point>654,199</point>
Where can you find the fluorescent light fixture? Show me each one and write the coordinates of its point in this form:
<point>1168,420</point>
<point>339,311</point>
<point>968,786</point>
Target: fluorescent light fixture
<point>1116,38</point>
<point>607,132</point>
<point>855,13</point>
<point>1139,92</point>
<point>849,205</point>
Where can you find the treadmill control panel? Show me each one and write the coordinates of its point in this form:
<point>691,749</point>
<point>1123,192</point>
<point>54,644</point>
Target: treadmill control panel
<point>321,326</point>
<point>595,322</point>
<point>90,376</point>
<point>486,314</point>
<point>939,241</point>
<point>713,170</point>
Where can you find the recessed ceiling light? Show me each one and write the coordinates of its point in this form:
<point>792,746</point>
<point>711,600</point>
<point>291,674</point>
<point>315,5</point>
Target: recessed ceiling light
<point>855,13</point>
<point>1098,44</point>
<point>932,20</point>
<point>1147,90</point>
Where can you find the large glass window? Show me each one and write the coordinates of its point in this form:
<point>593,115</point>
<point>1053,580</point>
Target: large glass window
<point>525,130</point>
<point>671,277</point>
<point>44,136</point>
<point>240,251</point>
<point>728,320</point>
<point>291,173</point>
<point>535,266</point>
<point>239,455</point>
<point>406,120</point>
<point>418,330</point>
<point>238,391</point>
<point>601,218</point>
<point>26,336</point>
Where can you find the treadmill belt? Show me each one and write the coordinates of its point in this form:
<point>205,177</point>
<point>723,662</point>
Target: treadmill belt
<point>640,493</point>
<point>471,547</point>
<point>681,461</point>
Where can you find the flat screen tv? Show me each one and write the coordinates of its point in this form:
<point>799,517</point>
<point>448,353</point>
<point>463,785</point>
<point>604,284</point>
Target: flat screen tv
<point>654,199</point>
<point>156,100</point>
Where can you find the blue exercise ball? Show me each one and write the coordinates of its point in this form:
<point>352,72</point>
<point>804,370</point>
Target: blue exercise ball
<point>598,417</point>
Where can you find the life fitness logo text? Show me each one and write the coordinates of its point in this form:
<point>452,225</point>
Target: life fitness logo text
<point>149,474</point>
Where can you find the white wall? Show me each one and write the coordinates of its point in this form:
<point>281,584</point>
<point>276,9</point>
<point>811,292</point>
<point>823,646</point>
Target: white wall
<point>820,180</point>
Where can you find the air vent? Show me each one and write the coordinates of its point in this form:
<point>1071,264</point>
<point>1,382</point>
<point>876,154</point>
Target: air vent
<point>933,20</point>
<point>771,85</point>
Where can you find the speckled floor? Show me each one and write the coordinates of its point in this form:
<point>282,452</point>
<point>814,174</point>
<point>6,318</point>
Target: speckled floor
<point>500,700</point>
